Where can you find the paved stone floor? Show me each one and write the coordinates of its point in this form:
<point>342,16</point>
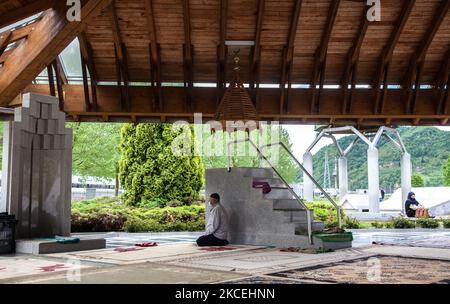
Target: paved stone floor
<point>431,238</point>
<point>177,259</point>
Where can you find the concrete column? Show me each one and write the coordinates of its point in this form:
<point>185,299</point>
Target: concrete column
<point>308,186</point>
<point>405,165</point>
<point>343,176</point>
<point>373,179</point>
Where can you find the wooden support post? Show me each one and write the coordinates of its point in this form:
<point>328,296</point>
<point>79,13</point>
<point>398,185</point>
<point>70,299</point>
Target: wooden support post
<point>87,102</point>
<point>59,85</point>
<point>51,81</point>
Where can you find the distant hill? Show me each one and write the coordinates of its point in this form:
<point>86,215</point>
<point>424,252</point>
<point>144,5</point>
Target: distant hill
<point>429,148</point>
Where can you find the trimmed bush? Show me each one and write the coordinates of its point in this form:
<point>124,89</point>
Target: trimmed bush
<point>402,223</point>
<point>351,223</point>
<point>427,223</point>
<point>389,225</point>
<point>100,215</point>
<point>153,169</point>
<point>377,225</point>
<point>97,222</point>
<point>325,212</point>
<point>446,223</point>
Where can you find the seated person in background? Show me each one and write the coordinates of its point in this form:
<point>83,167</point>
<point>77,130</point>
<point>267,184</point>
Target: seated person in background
<point>217,225</point>
<point>413,208</point>
<point>382,194</point>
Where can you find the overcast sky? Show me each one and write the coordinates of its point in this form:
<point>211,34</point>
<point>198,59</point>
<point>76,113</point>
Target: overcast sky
<point>302,136</point>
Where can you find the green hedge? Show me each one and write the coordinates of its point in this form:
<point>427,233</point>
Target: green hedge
<point>325,212</point>
<point>107,214</point>
<point>446,223</point>
<point>427,223</point>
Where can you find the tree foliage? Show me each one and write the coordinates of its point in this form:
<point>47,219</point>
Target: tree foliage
<point>243,155</point>
<point>417,180</point>
<point>150,170</point>
<point>446,172</point>
<point>95,150</point>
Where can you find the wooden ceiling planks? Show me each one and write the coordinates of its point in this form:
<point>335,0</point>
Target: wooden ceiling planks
<point>350,50</point>
<point>13,11</point>
<point>41,50</point>
<point>241,24</point>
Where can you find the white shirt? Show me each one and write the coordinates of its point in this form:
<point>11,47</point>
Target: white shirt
<point>217,223</point>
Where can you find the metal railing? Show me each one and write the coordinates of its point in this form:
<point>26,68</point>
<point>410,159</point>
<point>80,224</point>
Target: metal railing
<point>261,154</point>
<point>336,206</point>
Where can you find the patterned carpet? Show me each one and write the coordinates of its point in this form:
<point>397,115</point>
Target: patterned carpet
<point>263,280</point>
<point>376,270</point>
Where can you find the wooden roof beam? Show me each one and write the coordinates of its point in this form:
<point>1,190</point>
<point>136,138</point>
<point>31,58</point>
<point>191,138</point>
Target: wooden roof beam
<point>121,57</point>
<point>5,39</point>
<point>444,96</point>
<point>19,71</point>
<point>61,72</point>
<point>381,75</point>
<point>115,29</point>
<point>59,84</point>
<point>413,76</point>
<point>441,76</point>
<point>256,54</point>
<point>349,76</point>
<point>222,50</point>
<point>151,24</point>
<point>155,58</point>
<point>187,56</point>
<point>87,99</point>
<point>11,36</point>
<point>320,60</point>
<point>25,11</point>
<point>87,60</point>
<point>288,55</point>
<point>87,55</point>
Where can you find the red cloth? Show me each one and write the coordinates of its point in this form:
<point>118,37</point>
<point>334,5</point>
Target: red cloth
<point>52,268</point>
<point>263,185</point>
<point>150,244</point>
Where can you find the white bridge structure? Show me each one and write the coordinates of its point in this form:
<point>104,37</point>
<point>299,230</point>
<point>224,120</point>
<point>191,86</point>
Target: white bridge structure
<point>372,140</point>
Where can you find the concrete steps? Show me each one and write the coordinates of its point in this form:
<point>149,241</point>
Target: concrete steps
<point>294,213</point>
<point>272,181</point>
<point>298,216</point>
<point>273,219</point>
<point>302,228</point>
<point>287,204</point>
<point>279,193</point>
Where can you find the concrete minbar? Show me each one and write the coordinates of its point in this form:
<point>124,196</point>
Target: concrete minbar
<point>272,219</point>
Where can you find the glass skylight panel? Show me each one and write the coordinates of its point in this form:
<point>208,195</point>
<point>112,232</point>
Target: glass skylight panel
<point>71,60</point>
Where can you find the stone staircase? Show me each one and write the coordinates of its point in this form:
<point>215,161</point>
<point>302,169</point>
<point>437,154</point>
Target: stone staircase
<point>285,203</point>
<point>272,219</point>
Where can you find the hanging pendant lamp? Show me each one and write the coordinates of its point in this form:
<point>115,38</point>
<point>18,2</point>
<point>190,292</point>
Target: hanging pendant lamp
<point>236,105</point>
